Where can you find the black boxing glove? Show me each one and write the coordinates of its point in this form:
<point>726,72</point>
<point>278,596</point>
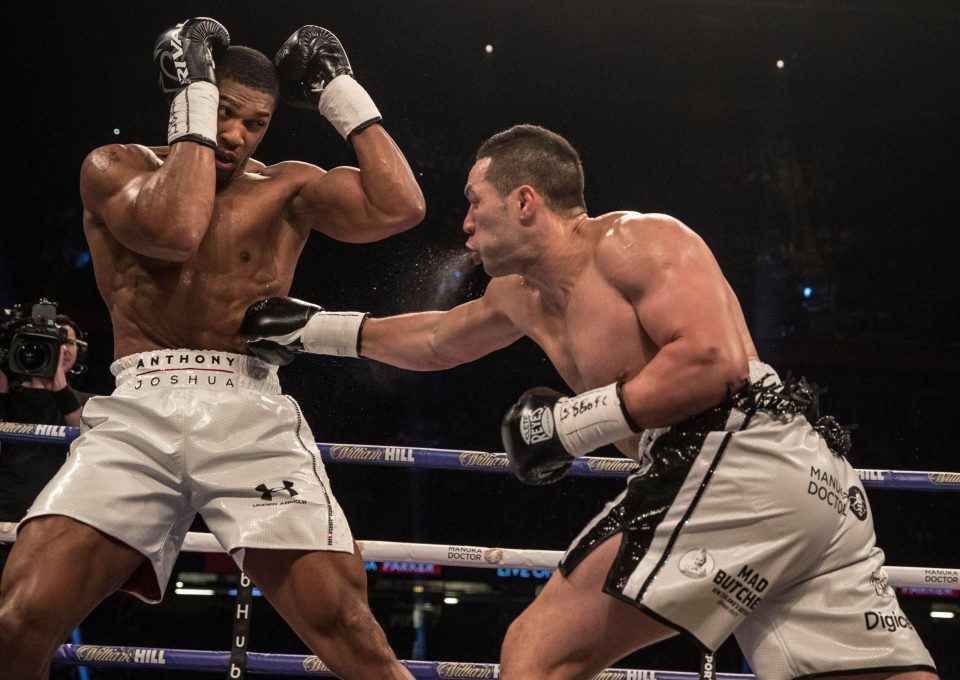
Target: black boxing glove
<point>315,74</point>
<point>544,432</point>
<point>278,328</point>
<point>184,57</point>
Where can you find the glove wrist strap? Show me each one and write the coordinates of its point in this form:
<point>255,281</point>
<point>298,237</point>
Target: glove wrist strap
<point>591,419</point>
<point>336,333</point>
<point>347,106</point>
<point>193,115</point>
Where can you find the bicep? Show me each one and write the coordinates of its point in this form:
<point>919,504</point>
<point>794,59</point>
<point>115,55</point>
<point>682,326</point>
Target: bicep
<point>109,186</point>
<point>474,329</point>
<point>334,203</point>
<point>676,287</point>
<point>429,341</point>
<point>683,300</point>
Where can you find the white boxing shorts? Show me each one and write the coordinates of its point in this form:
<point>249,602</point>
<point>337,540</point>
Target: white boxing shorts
<point>188,431</point>
<point>745,522</point>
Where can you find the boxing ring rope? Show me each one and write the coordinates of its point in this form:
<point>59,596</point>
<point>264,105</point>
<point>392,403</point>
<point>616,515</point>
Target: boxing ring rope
<point>294,664</point>
<point>452,555</point>
<point>485,461</point>
<point>515,558</point>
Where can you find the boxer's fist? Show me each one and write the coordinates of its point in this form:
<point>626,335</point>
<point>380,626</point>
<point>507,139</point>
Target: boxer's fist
<point>530,437</point>
<point>315,74</point>
<point>185,54</point>
<point>273,328</point>
<point>306,64</point>
<point>278,328</point>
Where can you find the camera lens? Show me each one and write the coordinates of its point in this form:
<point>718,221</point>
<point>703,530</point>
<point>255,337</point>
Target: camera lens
<point>32,356</point>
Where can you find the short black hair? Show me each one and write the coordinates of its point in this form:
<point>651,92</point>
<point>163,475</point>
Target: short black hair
<point>530,154</point>
<point>64,320</point>
<point>249,67</point>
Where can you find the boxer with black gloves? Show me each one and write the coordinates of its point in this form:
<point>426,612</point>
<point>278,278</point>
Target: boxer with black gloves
<point>544,432</point>
<point>638,319</point>
<point>315,74</point>
<point>184,58</point>
<point>201,225</point>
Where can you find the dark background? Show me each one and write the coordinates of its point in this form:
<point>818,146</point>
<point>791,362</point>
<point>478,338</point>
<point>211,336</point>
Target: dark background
<point>836,172</point>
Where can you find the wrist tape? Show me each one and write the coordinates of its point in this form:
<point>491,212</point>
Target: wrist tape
<point>66,400</point>
<point>347,106</point>
<point>335,333</point>
<point>592,419</point>
<point>193,115</point>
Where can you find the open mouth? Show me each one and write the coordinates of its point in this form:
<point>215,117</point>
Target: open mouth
<point>224,161</point>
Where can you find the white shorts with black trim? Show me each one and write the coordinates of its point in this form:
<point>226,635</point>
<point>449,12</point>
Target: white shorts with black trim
<point>759,530</point>
<point>188,431</point>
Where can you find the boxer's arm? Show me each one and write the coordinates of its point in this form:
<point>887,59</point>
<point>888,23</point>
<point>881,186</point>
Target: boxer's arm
<point>379,199</point>
<point>160,210</point>
<point>369,203</point>
<point>680,298</point>
<point>277,329</point>
<point>431,341</point>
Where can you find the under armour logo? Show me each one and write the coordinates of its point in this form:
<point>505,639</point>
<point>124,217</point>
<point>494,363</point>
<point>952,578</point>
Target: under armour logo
<point>266,493</point>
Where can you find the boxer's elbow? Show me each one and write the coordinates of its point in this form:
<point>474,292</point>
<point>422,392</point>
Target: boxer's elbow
<point>404,214</point>
<point>172,245</point>
<point>175,235</point>
<point>726,370</point>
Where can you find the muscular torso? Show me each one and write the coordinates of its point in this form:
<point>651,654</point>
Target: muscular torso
<point>592,341</point>
<point>248,252</point>
<point>593,337</point>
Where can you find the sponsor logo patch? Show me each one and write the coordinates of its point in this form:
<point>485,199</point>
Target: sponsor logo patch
<point>886,622</point>
<point>881,583</point>
<point>696,563</point>
<point>858,503</point>
<point>536,425</point>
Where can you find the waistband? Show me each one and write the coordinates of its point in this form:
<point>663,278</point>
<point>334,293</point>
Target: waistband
<point>718,418</point>
<point>177,369</point>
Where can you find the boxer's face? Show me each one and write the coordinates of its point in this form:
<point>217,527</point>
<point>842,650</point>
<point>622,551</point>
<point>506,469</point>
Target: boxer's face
<point>487,223</point>
<point>242,120</point>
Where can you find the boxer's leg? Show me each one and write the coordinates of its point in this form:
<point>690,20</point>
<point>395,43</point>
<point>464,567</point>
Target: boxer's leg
<point>59,570</point>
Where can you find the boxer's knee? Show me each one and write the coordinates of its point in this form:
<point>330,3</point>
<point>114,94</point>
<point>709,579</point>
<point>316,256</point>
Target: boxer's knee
<point>27,641</point>
<point>519,654</point>
<point>357,625</point>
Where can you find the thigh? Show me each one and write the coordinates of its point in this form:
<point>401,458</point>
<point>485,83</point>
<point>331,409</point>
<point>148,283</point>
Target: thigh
<point>574,628</point>
<point>844,621</point>
<point>59,569</point>
<point>310,589</point>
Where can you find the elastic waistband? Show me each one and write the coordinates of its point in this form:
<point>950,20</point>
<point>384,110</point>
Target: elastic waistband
<point>177,369</point>
<point>718,418</point>
<point>760,370</point>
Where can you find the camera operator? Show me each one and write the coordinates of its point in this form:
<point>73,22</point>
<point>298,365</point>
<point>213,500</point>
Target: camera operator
<point>26,467</point>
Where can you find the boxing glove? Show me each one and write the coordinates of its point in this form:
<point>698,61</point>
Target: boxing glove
<point>184,57</point>
<point>544,432</point>
<point>277,329</point>
<point>315,74</point>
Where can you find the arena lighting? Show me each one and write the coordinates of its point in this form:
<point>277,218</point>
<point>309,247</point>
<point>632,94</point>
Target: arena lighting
<point>780,63</point>
<point>116,131</point>
<point>206,592</point>
<point>488,49</point>
<point>456,600</point>
<point>942,615</point>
